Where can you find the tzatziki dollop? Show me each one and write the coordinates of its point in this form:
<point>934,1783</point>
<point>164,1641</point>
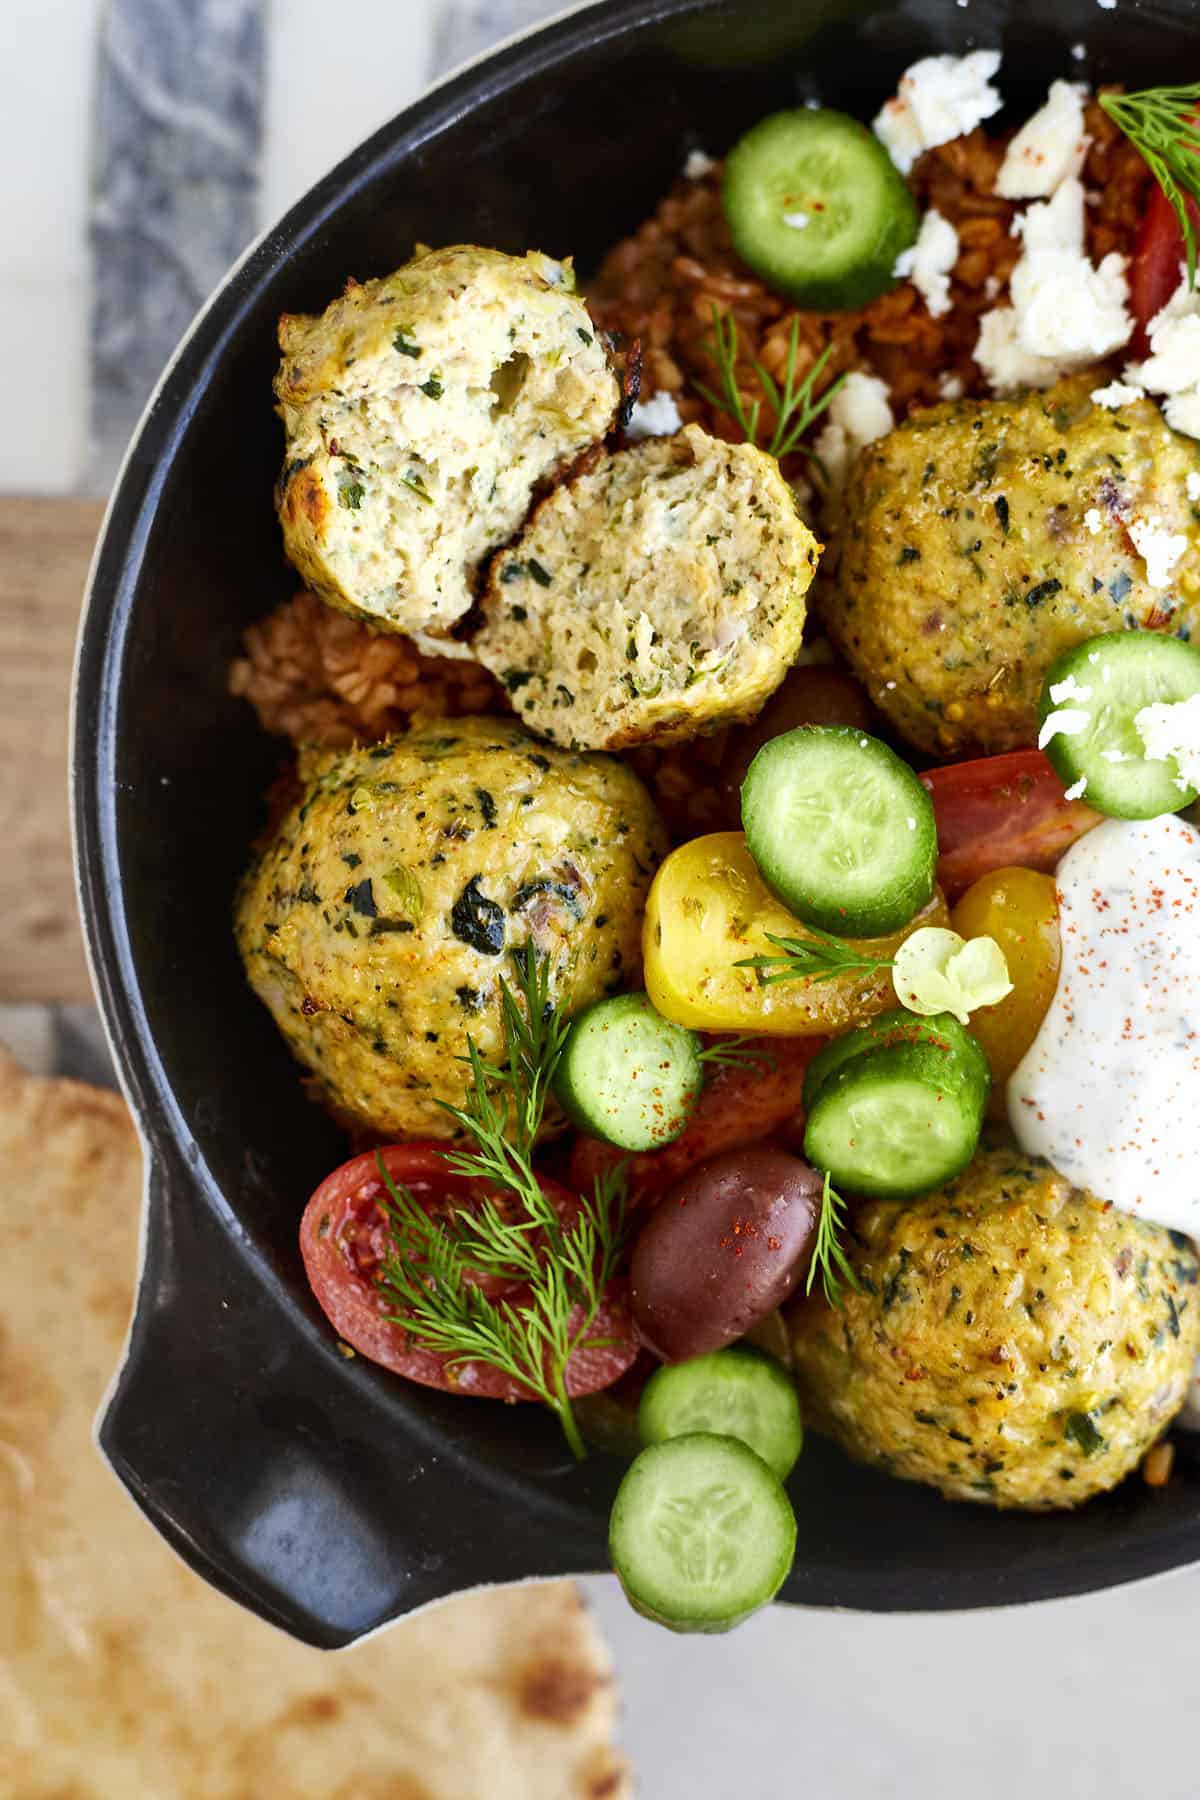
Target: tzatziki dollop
<point>1109,1090</point>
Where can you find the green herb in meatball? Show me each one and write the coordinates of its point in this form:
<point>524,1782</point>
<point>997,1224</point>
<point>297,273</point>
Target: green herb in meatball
<point>378,922</point>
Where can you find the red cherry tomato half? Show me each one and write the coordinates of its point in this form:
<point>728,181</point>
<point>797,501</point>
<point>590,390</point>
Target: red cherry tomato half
<point>737,1107</point>
<point>999,813</point>
<point>1158,252</point>
<point>343,1236</point>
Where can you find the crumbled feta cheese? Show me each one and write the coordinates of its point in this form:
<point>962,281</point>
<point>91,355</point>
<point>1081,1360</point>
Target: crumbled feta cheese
<point>1069,689</point>
<point>1173,365</point>
<point>797,220</point>
<point>1116,394</point>
<point>1077,789</point>
<point>928,262</point>
<point>1067,721</point>
<point>950,386</point>
<point>1160,550</point>
<point>1004,359</point>
<point>1065,313</point>
<point>698,165</point>
<point>1093,521</point>
<point>1170,730</point>
<point>859,413</point>
<point>1115,756</point>
<point>939,98</point>
<point>1079,51</point>
<point>1107,5</point>
<point>1182,412</point>
<point>1069,311</point>
<point>657,417</point>
<point>1049,148</point>
<point>1054,224</point>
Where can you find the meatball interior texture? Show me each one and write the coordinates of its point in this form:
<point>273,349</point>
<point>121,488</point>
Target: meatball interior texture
<point>376,925</point>
<point>656,595</point>
<point>421,411</point>
<point>981,540</point>
<point>1015,1342</point>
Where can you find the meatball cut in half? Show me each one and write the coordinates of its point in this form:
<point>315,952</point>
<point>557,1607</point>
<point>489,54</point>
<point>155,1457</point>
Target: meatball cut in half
<point>421,411</point>
<point>1013,1342</point>
<point>658,594</point>
<point>981,540</point>
<point>377,924</point>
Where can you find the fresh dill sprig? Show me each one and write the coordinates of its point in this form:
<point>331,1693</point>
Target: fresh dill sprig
<point>828,1255</point>
<point>741,1052</point>
<point>1162,124</point>
<point>822,957</point>
<point>432,1268</point>
<point>796,407</point>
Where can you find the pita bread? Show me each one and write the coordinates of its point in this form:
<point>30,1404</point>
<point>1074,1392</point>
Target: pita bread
<point>122,1675</point>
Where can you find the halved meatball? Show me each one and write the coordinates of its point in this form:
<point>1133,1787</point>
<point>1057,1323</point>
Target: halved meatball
<point>658,594</point>
<point>421,412</point>
<point>1012,1340</point>
<point>377,924</point>
<point>981,540</point>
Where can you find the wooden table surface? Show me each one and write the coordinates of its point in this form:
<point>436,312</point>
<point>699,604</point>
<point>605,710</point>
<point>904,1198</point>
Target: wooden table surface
<point>45,549</point>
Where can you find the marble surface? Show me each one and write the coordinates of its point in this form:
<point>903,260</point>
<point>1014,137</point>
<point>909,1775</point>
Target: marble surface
<point>177,133</point>
<point>210,116</point>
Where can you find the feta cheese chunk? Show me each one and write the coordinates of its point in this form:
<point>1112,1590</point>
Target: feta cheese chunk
<point>928,262</point>
<point>1172,368</point>
<point>1117,394</point>
<point>1160,550</point>
<point>657,417</point>
<point>1170,730</point>
<point>1049,148</point>
<point>1066,721</point>
<point>1054,224</point>
<point>1003,358</point>
<point>698,165</point>
<point>939,98</point>
<point>1065,313</point>
<point>859,412</point>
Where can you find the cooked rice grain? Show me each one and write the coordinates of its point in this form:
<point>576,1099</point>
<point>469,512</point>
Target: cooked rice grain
<point>318,677</point>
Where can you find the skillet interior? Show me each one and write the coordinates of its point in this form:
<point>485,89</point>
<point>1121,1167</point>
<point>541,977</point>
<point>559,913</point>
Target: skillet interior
<point>329,1495</point>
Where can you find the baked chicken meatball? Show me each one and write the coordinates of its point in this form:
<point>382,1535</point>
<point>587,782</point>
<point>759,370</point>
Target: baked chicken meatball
<point>1014,1341</point>
<point>421,411</point>
<point>981,540</point>
<point>658,594</point>
<point>377,923</point>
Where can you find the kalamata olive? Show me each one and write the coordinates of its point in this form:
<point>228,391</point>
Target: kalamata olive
<point>812,695</point>
<point>725,1245</point>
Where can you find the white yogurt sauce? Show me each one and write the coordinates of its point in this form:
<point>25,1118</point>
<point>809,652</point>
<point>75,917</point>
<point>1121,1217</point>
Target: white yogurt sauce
<point>1109,1091</point>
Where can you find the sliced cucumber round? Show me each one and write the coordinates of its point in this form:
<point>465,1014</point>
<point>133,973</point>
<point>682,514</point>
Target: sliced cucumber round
<point>628,1075</point>
<point>896,1120</point>
<point>736,1393</point>
<point>841,830</point>
<point>701,1534</point>
<point>941,1031</point>
<point>1089,708</point>
<point>816,207</point>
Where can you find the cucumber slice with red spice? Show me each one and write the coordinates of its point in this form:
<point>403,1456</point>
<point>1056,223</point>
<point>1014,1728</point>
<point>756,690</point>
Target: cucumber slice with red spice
<point>628,1075</point>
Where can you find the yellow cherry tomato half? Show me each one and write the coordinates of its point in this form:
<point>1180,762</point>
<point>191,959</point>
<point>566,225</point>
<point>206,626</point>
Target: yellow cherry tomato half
<point>708,910</point>
<point>1019,908</point>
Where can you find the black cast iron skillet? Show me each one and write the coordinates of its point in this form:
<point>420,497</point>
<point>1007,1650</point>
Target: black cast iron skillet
<point>325,1494</point>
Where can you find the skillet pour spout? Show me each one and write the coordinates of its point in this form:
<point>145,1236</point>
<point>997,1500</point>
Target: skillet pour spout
<point>322,1492</point>
<point>266,1469</point>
